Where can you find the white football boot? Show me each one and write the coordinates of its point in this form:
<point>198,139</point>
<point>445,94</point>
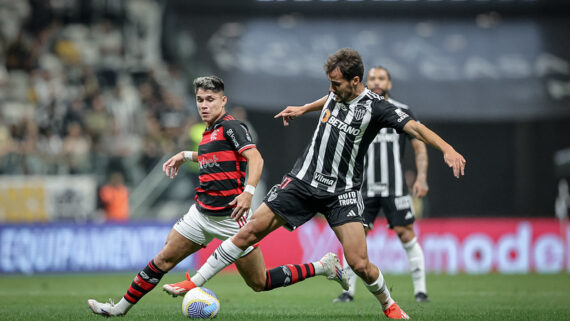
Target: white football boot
<point>107,309</point>
<point>333,269</point>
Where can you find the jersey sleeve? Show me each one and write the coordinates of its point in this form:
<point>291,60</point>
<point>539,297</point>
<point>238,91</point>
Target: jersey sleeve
<point>391,116</point>
<point>238,135</point>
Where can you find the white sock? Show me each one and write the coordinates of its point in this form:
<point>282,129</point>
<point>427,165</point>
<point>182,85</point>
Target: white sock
<point>223,256</point>
<point>124,306</point>
<point>319,268</point>
<point>380,291</point>
<point>350,275</point>
<point>416,264</point>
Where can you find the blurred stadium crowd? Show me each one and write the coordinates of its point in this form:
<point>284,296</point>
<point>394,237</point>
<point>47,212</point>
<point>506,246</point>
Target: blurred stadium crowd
<point>84,90</point>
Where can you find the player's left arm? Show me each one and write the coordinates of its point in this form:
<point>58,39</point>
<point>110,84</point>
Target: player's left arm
<point>254,169</point>
<point>452,158</point>
<point>420,187</point>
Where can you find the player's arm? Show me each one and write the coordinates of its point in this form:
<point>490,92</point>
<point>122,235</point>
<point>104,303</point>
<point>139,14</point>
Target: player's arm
<point>170,167</point>
<point>290,112</point>
<point>420,188</point>
<point>452,158</point>
<point>254,169</point>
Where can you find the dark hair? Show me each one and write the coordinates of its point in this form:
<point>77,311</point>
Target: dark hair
<point>213,83</point>
<point>348,61</point>
<point>383,68</point>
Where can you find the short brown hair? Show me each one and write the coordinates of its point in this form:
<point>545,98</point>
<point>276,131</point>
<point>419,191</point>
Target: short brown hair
<point>348,61</point>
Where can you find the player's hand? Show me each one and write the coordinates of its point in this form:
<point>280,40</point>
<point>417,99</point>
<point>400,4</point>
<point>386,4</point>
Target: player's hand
<point>170,167</point>
<point>242,203</point>
<point>289,114</point>
<point>420,188</point>
<point>456,161</point>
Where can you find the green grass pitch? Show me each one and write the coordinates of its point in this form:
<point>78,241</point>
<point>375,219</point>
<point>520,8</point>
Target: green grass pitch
<point>459,297</point>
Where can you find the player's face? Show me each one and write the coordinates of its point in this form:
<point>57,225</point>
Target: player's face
<point>345,90</point>
<point>211,105</point>
<point>378,81</point>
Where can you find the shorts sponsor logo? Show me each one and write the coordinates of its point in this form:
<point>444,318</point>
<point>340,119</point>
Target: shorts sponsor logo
<point>409,215</point>
<point>351,213</point>
<point>348,198</point>
<point>402,203</point>
<point>324,179</point>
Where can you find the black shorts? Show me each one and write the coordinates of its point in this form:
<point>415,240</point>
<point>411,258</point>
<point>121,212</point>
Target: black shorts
<point>398,210</point>
<point>297,202</point>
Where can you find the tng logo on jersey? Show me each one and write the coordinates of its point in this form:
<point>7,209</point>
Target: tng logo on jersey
<point>324,179</point>
<point>335,122</point>
<point>401,115</point>
<point>349,198</point>
<point>206,163</point>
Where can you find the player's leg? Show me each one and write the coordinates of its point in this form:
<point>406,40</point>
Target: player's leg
<point>262,222</point>
<point>371,209</point>
<point>177,248</point>
<point>252,269</point>
<point>351,236</point>
<point>185,238</point>
<point>400,214</point>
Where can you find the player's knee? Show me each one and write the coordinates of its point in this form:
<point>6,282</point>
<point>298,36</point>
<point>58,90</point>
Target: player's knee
<point>358,265</point>
<point>405,233</point>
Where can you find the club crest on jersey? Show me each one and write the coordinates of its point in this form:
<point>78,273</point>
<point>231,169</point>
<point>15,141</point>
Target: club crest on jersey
<point>359,112</point>
<point>214,135</point>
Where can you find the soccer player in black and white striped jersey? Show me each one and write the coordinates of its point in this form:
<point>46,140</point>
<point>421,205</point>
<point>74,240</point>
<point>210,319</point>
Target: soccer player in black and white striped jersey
<point>384,188</point>
<point>328,176</point>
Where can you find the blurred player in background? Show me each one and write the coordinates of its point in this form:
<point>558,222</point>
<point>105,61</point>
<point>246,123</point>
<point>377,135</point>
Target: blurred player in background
<point>328,176</point>
<point>222,207</point>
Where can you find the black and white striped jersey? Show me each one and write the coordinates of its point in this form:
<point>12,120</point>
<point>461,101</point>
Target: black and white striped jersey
<point>334,159</point>
<point>383,175</point>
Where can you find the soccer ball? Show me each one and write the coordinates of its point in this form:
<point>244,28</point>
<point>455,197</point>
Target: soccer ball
<point>200,303</point>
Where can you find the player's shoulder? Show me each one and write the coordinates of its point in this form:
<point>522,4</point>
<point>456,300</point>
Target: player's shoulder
<point>228,121</point>
<point>398,103</point>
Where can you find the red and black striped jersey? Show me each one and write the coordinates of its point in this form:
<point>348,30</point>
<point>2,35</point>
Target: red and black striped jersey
<point>222,165</point>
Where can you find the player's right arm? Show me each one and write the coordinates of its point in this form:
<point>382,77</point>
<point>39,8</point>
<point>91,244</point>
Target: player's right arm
<point>170,167</point>
<point>291,112</point>
<point>452,158</point>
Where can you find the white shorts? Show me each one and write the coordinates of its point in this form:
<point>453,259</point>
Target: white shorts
<point>202,229</point>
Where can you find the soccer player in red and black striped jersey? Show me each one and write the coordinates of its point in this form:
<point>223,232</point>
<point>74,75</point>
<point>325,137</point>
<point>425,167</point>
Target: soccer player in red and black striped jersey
<point>222,207</point>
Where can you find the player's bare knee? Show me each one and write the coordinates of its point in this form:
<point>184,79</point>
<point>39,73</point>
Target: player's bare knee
<point>405,233</point>
<point>358,265</point>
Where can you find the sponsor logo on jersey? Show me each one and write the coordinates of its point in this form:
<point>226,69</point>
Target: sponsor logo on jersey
<point>232,135</point>
<point>208,162</point>
<point>335,122</point>
<point>401,115</point>
<point>348,198</point>
<point>324,179</point>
